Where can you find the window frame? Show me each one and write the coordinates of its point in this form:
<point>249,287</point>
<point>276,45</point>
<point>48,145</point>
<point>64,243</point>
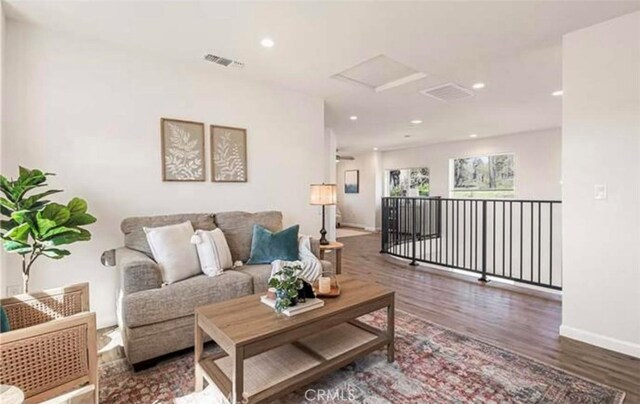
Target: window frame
<point>453,190</point>
<point>387,177</point>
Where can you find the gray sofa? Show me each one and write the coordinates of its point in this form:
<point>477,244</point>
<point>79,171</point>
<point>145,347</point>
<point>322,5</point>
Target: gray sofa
<point>155,320</point>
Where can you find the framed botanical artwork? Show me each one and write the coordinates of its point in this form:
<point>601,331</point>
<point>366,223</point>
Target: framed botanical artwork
<point>228,154</point>
<point>182,150</point>
<point>351,181</point>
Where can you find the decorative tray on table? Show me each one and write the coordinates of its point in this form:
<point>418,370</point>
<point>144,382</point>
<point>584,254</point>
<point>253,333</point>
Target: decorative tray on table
<point>333,292</point>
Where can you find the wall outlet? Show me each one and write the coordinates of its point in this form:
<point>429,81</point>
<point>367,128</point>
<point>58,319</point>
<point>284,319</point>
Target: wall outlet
<point>13,290</point>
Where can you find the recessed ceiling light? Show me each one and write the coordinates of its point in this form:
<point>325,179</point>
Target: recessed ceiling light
<point>353,118</point>
<point>416,121</point>
<point>473,135</point>
<point>478,86</point>
<point>375,149</point>
<point>267,42</point>
<point>557,93</point>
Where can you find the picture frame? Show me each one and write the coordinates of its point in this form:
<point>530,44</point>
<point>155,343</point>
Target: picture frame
<point>183,150</point>
<point>228,154</point>
<point>352,181</point>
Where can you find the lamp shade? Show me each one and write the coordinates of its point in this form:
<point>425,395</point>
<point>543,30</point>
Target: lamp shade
<point>323,194</point>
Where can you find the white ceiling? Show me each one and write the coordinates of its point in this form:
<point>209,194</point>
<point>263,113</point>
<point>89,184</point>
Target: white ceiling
<point>514,47</point>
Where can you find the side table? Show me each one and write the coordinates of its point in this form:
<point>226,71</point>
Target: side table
<point>337,247</point>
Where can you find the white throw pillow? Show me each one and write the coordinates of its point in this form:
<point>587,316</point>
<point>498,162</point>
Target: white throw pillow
<point>173,251</point>
<point>213,251</point>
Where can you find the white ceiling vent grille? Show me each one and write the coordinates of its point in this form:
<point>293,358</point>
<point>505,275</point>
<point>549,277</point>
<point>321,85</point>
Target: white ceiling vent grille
<point>219,60</point>
<point>380,73</point>
<point>448,92</point>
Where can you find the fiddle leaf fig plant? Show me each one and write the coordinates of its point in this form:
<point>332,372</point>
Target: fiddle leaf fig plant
<point>32,226</point>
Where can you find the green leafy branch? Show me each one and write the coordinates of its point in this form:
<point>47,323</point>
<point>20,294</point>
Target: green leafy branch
<point>32,226</point>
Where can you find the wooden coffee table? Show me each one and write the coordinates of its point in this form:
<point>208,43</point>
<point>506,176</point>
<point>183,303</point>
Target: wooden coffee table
<point>266,354</point>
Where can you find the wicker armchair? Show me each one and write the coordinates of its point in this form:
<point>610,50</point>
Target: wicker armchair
<point>52,346</point>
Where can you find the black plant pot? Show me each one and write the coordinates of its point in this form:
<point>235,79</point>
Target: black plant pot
<point>294,301</point>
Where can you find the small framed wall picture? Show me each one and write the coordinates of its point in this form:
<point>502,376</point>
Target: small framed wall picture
<point>352,181</point>
<point>228,154</point>
<point>182,150</point>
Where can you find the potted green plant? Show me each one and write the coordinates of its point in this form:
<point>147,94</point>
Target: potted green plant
<point>33,227</point>
<point>287,286</point>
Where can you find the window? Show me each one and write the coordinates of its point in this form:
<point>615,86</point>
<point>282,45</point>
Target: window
<point>408,182</point>
<point>484,177</point>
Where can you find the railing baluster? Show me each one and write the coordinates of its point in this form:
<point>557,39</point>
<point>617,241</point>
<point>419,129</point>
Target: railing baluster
<point>475,203</point>
<point>446,225</point>
<point>551,244</point>
<point>464,234</point>
<point>510,239</point>
<point>413,232</point>
<point>531,279</point>
<point>503,236</point>
<point>521,240</point>
<point>539,241</point>
<point>483,278</point>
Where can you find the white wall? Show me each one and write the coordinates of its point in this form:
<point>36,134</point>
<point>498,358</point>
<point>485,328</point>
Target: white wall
<point>537,161</point>
<point>601,145</point>
<point>91,113</point>
<point>359,209</point>
<point>537,170</point>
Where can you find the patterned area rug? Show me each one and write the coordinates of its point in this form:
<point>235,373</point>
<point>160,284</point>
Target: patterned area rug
<point>433,365</point>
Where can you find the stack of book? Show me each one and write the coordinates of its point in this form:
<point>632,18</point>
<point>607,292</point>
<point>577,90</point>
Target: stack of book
<point>299,308</point>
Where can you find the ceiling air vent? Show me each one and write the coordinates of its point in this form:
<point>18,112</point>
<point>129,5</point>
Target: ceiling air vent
<point>380,73</point>
<point>219,60</point>
<point>448,92</point>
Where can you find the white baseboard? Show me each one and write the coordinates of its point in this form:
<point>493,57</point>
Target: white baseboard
<point>360,226</point>
<point>357,225</point>
<point>613,344</point>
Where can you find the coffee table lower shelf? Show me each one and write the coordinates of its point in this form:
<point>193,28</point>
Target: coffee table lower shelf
<point>291,366</point>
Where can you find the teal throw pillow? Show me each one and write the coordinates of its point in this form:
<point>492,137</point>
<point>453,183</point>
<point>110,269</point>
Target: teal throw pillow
<point>267,246</point>
<point>4,321</point>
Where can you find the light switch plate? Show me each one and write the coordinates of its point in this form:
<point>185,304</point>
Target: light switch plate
<point>600,191</point>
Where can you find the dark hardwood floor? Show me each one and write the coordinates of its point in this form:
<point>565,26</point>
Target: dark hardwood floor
<point>521,322</point>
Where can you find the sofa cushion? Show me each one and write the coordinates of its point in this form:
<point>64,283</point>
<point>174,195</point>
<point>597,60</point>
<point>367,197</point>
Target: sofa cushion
<point>260,275</point>
<point>238,229</point>
<point>136,239</point>
<point>181,298</point>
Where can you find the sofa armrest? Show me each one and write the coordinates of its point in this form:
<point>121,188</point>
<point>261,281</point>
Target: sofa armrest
<point>137,271</point>
<point>315,246</point>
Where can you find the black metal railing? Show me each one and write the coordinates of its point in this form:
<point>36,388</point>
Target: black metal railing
<point>518,240</point>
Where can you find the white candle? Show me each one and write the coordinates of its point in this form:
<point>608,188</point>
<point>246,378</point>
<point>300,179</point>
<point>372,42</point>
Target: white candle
<point>324,284</point>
